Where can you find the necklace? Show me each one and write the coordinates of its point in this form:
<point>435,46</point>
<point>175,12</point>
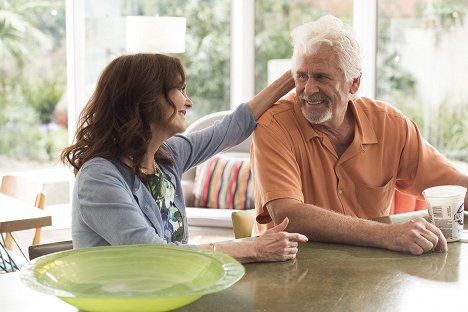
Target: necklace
<point>156,176</point>
<point>157,170</point>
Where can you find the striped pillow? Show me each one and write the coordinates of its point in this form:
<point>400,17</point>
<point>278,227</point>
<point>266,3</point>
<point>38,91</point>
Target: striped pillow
<point>224,183</point>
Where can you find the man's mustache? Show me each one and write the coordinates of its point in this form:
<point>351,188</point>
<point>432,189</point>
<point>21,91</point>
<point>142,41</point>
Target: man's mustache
<point>316,97</point>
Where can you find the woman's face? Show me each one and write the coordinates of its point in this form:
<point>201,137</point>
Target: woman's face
<point>182,103</point>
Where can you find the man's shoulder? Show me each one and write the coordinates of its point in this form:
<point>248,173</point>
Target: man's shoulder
<point>372,106</point>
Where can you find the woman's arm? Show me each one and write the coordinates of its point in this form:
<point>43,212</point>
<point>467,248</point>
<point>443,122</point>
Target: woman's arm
<point>271,94</point>
<point>274,245</point>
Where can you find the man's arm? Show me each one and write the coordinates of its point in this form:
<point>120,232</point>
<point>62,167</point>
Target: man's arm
<point>417,236</point>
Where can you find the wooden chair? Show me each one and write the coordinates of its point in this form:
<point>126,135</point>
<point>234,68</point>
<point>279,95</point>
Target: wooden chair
<point>30,192</point>
<point>402,202</point>
<point>242,222</point>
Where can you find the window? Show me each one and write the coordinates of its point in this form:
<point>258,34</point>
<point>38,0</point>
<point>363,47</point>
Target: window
<point>422,68</point>
<point>33,108</point>
<point>429,86</point>
<point>274,20</point>
<point>207,44</point>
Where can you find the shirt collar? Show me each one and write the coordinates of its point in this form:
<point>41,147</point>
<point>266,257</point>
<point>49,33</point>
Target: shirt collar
<point>363,126</point>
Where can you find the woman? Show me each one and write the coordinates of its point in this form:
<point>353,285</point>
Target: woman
<point>129,157</point>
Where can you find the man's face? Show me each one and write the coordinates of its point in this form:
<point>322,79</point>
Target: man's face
<point>321,87</point>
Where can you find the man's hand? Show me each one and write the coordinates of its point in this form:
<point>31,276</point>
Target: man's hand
<point>416,236</point>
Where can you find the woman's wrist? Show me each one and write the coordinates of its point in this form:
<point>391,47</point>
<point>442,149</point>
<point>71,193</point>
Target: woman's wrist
<point>242,251</point>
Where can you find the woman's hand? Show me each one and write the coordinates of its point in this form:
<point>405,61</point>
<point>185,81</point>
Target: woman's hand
<point>274,245</point>
<point>277,245</point>
<point>271,94</point>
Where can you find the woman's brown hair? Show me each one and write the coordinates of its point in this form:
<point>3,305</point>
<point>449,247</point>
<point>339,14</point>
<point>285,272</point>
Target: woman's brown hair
<point>115,123</point>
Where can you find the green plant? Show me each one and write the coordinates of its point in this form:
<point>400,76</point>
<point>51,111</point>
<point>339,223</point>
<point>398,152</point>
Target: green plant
<point>29,89</point>
<point>443,124</point>
<point>451,130</point>
<point>43,94</point>
<point>19,131</point>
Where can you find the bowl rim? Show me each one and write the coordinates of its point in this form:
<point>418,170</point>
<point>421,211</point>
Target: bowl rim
<point>233,272</point>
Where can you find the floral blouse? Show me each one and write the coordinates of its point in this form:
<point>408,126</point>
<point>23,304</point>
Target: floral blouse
<point>163,193</point>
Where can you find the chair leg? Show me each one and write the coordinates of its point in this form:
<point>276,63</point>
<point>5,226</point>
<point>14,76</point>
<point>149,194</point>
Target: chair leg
<point>37,236</point>
<point>7,264</point>
<point>9,241</point>
<point>40,203</point>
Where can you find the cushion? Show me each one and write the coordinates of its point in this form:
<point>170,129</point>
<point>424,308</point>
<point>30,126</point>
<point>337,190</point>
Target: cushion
<point>224,182</point>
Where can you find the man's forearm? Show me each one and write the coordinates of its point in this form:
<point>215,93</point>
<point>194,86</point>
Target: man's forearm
<point>323,225</point>
<point>416,236</point>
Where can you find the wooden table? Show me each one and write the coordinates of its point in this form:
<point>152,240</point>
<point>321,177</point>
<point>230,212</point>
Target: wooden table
<point>324,277</point>
<point>335,277</point>
<point>18,216</point>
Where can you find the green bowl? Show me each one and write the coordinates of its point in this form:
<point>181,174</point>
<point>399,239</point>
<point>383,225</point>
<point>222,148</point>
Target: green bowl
<point>131,278</point>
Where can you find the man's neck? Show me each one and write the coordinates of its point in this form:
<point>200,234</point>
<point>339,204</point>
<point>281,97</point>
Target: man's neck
<point>342,136</point>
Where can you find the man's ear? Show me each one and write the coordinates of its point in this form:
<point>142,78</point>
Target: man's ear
<point>355,85</point>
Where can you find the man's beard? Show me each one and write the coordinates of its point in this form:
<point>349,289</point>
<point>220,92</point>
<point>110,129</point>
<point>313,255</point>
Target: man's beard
<point>316,118</point>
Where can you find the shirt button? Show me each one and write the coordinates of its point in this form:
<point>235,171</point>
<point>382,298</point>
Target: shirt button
<point>340,191</point>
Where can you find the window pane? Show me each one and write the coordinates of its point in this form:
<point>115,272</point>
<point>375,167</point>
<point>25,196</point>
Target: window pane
<point>274,20</point>
<point>33,116</point>
<point>422,68</point>
<point>207,44</point>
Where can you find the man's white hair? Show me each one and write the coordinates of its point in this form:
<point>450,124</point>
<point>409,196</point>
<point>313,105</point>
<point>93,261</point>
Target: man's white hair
<point>329,30</point>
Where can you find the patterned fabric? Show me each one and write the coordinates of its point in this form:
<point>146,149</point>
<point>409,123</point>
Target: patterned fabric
<point>224,183</point>
<point>163,193</point>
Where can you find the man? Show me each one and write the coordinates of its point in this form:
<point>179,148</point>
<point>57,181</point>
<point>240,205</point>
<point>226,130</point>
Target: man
<point>329,160</point>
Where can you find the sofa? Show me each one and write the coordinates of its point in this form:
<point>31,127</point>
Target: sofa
<point>204,212</point>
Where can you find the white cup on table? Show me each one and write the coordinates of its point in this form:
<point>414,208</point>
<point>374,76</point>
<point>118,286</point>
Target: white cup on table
<point>445,204</point>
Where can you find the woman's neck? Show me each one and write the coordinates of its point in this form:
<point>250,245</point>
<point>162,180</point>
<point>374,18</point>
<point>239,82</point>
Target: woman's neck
<point>153,147</point>
<point>147,164</point>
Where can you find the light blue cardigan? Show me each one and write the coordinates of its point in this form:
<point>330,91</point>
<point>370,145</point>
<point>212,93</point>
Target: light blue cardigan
<point>111,206</point>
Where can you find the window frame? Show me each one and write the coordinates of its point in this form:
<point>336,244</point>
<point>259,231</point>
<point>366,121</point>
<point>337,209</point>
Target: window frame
<point>242,52</point>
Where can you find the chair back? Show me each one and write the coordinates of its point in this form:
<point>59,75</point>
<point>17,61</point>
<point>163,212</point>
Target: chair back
<point>208,120</point>
<point>45,249</point>
<point>21,188</point>
<point>28,191</point>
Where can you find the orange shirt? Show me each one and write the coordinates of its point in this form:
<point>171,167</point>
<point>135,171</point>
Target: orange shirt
<point>290,159</point>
